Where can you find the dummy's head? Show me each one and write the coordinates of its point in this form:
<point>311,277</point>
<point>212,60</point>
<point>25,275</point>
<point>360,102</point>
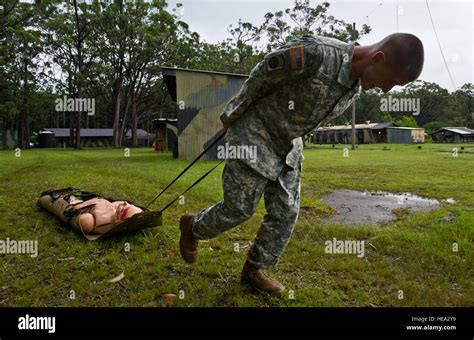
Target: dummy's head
<point>107,212</point>
<point>395,60</point>
<point>126,210</point>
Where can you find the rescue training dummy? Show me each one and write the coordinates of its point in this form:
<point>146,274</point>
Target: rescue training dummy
<point>96,216</point>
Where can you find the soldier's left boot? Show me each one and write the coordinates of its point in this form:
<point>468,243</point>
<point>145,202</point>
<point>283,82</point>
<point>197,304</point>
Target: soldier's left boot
<point>259,280</point>
<point>188,244</point>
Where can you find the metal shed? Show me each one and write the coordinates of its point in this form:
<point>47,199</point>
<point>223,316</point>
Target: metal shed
<point>368,133</point>
<point>200,97</point>
<point>405,135</point>
<point>166,135</point>
<point>365,133</point>
<point>453,135</point>
<point>98,137</point>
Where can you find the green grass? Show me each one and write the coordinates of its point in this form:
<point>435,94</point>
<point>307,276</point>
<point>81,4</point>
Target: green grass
<point>413,253</point>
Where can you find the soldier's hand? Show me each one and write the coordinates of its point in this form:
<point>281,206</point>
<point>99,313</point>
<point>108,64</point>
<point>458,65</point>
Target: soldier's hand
<point>226,126</point>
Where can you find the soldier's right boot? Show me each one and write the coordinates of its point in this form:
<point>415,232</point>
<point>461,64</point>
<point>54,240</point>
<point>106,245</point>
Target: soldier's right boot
<point>188,244</point>
<point>259,280</point>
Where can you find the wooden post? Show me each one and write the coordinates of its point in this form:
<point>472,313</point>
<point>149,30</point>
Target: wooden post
<point>353,103</point>
<point>353,124</point>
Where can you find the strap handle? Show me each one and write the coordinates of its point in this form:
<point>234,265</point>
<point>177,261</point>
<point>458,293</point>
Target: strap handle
<point>187,168</point>
<point>192,185</point>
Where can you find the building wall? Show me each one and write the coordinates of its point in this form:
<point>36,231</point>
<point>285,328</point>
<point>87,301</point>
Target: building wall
<point>363,136</point>
<point>405,136</point>
<point>166,136</point>
<point>172,136</point>
<point>399,136</point>
<point>201,97</point>
<point>366,136</point>
<point>418,135</point>
<point>86,142</point>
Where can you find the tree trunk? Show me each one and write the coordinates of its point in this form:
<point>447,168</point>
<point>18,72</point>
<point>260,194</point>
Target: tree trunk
<point>78,130</point>
<point>79,37</point>
<point>134,131</point>
<point>70,114</point>
<point>3,129</point>
<point>116,125</point>
<point>134,124</point>
<point>71,130</point>
<point>148,131</point>
<point>78,119</point>
<point>124,120</point>
<point>118,84</point>
<point>23,128</point>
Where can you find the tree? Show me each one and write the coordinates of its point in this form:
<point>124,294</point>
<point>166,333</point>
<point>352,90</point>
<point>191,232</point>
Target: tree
<point>407,121</point>
<point>306,20</point>
<point>17,76</point>
<point>433,100</point>
<point>461,105</point>
<point>242,45</point>
<point>70,40</point>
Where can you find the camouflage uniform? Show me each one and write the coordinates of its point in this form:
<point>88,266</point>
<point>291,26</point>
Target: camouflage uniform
<point>301,85</point>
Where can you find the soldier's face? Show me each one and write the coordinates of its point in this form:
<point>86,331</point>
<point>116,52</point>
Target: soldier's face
<point>379,74</point>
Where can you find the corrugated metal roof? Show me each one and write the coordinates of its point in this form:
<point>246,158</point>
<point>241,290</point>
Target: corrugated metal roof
<point>372,126</point>
<point>404,128</point>
<point>165,120</point>
<point>64,132</point>
<point>169,77</point>
<point>166,68</point>
<point>460,130</point>
<point>140,133</point>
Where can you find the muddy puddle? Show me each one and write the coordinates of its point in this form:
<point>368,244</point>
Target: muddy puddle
<point>374,207</point>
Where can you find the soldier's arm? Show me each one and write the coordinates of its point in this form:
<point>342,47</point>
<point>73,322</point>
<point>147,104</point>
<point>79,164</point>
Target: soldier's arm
<point>287,64</point>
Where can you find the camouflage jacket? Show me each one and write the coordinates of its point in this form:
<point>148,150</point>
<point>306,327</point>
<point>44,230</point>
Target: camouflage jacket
<point>301,85</point>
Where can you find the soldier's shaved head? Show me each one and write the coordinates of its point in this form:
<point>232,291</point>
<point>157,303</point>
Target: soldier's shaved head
<point>395,60</point>
<point>403,52</point>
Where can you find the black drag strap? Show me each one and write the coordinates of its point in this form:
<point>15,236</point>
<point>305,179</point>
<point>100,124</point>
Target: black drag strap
<point>190,165</point>
<point>192,185</point>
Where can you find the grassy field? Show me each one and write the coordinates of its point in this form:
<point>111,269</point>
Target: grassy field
<point>412,254</point>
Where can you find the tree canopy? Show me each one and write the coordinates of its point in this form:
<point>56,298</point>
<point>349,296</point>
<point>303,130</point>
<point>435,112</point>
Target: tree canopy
<point>113,51</point>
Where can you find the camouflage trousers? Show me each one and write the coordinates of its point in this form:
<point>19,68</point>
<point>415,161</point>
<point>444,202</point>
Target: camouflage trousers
<point>243,187</point>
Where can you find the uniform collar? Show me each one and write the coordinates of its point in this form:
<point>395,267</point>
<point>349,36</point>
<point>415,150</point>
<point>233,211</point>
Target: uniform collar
<point>344,76</point>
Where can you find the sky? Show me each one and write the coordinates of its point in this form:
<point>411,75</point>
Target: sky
<point>453,22</point>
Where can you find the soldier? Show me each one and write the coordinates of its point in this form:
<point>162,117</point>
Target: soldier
<point>304,83</point>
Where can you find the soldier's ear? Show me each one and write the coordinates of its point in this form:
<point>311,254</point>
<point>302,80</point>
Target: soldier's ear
<point>377,57</point>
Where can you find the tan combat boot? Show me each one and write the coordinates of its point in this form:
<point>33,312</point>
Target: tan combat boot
<point>188,244</point>
<point>257,279</point>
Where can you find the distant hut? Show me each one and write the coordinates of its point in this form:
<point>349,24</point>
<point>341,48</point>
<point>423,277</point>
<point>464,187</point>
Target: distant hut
<point>95,137</point>
<point>368,133</point>
<point>166,130</point>
<point>405,135</point>
<point>453,135</point>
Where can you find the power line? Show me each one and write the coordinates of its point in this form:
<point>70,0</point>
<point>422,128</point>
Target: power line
<point>439,45</point>
<point>372,11</point>
<point>397,15</point>
<point>370,36</point>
